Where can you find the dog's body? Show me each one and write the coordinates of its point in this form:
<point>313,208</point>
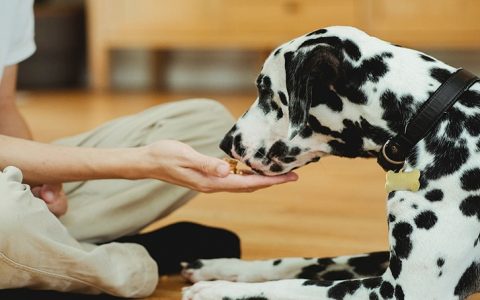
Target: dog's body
<point>339,91</point>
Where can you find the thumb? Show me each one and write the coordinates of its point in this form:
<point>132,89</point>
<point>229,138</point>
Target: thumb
<point>211,165</point>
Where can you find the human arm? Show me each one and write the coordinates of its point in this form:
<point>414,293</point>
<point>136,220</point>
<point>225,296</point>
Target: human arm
<point>13,124</point>
<point>11,121</point>
<point>166,160</point>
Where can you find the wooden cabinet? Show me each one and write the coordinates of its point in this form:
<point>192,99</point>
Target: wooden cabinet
<point>257,24</point>
<point>264,24</point>
<point>453,24</point>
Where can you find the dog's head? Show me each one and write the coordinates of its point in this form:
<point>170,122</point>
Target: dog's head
<point>302,112</point>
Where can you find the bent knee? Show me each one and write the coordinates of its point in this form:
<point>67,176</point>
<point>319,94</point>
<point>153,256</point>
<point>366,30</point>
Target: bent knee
<point>211,111</point>
<point>18,206</point>
<point>11,191</point>
<point>211,105</point>
<point>18,213</point>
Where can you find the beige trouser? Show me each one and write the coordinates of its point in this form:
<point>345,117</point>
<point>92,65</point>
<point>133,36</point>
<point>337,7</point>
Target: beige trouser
<point>39,251</point>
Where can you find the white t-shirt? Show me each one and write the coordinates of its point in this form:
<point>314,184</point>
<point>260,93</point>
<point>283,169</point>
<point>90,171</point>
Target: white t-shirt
<point>16,32</point>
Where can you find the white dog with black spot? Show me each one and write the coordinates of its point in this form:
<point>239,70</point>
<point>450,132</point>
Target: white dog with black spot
<point>338,91</point>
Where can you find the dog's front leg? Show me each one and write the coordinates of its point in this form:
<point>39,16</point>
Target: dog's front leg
<point>295,289</point>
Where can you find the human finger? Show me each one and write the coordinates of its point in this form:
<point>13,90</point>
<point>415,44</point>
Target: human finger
<point>209,165</point>
<point>249,183</point>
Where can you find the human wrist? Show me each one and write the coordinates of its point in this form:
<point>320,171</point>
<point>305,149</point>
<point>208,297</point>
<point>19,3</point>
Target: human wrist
<point>156,160</point>
<point>141,163</point>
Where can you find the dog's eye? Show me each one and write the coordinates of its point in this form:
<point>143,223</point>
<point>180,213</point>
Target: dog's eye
<point>263,91</point>
<point>264,86</point>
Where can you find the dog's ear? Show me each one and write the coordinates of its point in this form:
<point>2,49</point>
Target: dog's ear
<point>307,70</point>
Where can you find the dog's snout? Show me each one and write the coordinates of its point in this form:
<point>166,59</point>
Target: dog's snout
<point>226,144</point>
<point>278,149</point>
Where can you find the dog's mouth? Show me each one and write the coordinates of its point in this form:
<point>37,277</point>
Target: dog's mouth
<point>255,168</point>
<point>257,171</point>
<point>277,159</point>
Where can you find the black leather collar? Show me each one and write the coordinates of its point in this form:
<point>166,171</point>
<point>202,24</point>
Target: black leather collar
<point>394,152</point>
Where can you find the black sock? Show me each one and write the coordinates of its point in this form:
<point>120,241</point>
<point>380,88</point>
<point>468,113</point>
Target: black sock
<point>187,242</point>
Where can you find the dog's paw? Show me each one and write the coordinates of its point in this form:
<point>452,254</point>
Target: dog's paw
<point>210,269</point>
<point>201,290</point>
<point>278,290</point>
<point>216,290</point>
<point>230,269</point>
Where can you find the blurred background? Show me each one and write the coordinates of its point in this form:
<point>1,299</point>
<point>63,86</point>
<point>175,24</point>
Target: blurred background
<point>219,45</point>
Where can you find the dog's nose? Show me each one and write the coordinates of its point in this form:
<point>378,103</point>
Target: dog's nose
<point>226,144</point>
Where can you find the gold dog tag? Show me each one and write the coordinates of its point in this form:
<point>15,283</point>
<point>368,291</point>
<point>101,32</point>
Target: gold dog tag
<point>403,181</point>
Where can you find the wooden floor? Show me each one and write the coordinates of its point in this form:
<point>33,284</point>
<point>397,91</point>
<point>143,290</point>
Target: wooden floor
<point>336,208</point>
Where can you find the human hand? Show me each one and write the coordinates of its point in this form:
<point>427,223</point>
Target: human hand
<point>54,196</point>
<point>180,164</point>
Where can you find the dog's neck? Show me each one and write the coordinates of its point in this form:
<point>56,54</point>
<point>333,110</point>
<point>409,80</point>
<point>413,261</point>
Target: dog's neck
<point>389,103</point>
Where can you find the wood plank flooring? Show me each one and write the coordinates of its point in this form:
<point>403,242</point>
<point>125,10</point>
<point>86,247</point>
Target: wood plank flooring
<point>336,208</point>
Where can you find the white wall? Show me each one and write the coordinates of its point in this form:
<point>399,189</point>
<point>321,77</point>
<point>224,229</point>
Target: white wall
<point>224,71</point>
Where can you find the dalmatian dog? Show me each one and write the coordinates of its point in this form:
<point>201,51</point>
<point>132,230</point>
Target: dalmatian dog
<point>338,91</point>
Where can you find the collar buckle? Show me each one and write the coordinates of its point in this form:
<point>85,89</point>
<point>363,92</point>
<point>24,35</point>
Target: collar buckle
<point>391,156</point>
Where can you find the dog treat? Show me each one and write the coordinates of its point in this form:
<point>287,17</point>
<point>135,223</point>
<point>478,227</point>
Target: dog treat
<point>402,181</point>
<point>235,168</point>
<point>233,164</point>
